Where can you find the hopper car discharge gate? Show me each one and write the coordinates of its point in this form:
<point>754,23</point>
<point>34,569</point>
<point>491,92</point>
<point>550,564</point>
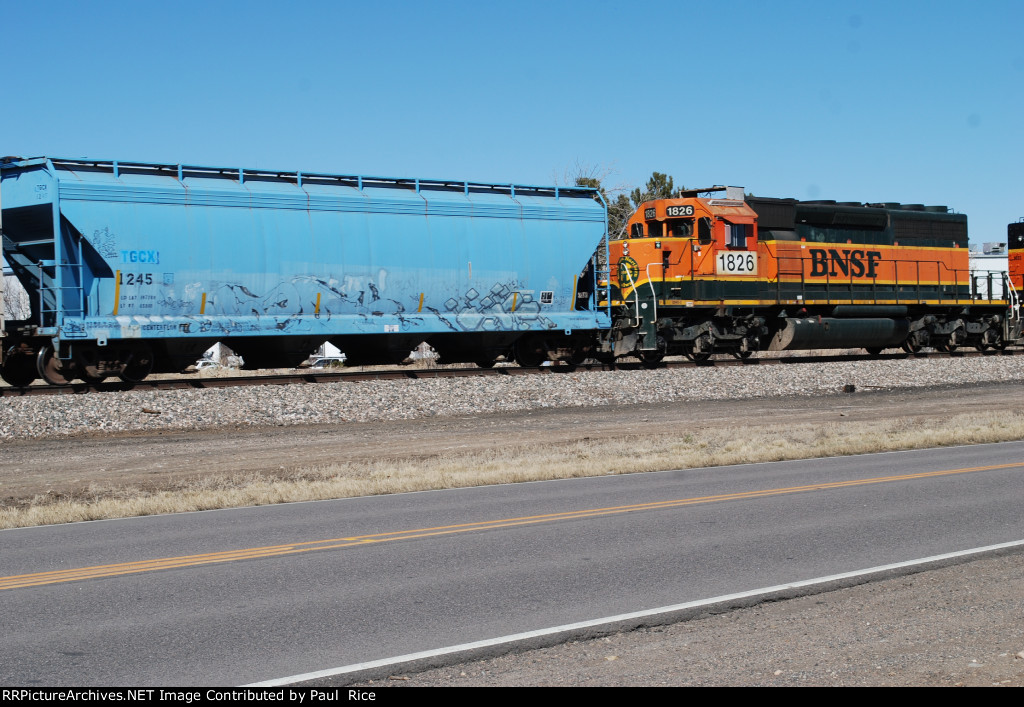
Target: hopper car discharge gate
<point>139,267</point>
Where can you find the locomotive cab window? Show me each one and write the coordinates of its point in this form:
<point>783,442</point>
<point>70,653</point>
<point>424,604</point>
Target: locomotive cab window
<point>680,228</point>
<point>637,231</point>
<point>704,236</point>
<point>655,229</point>
<point>736,234</point>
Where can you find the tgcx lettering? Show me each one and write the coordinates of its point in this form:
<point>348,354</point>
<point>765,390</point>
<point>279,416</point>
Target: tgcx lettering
<point>140,256</point>
<point>847,262</point>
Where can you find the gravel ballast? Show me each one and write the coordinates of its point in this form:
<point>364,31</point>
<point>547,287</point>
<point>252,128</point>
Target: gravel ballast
<point>63,415</point>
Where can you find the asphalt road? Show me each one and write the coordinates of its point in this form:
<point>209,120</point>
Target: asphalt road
<point>262,593</point>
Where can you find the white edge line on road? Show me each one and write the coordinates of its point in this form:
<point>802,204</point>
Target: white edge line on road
<point>356,667</point>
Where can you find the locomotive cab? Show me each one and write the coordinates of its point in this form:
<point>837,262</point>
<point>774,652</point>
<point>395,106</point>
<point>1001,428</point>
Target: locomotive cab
<point>677,252</point>
<point>684,243</point>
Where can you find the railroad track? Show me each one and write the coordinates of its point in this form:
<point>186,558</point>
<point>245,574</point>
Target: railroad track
<point>407,373</point>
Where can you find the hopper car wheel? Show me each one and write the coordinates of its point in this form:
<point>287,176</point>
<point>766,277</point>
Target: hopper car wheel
<point>51,369</point>
<point>140,365</point>
<point>911,347</point>
<point>578,357</point>
<point>528,352</point>
<point>742,355</point>
<point>948,348</point>
<point>18,370</point>
<point>529,360</point>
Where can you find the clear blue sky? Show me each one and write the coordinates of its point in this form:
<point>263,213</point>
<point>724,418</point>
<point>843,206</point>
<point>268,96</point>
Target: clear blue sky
<point>856,101</point>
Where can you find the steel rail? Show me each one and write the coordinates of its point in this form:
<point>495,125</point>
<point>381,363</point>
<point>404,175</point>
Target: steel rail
<point>407,373</point>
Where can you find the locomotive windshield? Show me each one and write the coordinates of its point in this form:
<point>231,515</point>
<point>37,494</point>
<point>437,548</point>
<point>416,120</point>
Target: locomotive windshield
<point>680,228</point>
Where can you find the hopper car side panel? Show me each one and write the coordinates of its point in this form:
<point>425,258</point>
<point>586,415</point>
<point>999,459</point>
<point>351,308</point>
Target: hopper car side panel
<point>276,263</point>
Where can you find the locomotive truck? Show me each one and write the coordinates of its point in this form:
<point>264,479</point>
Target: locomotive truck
<point>134,267</point>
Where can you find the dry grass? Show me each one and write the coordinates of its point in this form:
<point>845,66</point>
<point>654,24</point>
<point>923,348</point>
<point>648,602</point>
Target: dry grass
<point>518,463</point>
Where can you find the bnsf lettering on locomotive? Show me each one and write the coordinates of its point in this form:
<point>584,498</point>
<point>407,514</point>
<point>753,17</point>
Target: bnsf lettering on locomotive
<point>851,263</point>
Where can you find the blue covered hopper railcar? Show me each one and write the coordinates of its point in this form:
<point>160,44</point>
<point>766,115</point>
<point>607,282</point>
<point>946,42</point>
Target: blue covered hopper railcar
<point>139,267</point>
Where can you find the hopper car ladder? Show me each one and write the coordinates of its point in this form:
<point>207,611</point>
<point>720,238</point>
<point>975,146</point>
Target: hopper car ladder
<point>57,276</point>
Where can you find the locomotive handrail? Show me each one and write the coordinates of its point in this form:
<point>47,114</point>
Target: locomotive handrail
<point>987,276</point>
<point>654,293</point>
<point>849,281</point>
<point>1014,299</point>
<point>636,295</point>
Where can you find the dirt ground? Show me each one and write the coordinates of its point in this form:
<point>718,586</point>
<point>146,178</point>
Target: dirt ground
<point>77,467</point>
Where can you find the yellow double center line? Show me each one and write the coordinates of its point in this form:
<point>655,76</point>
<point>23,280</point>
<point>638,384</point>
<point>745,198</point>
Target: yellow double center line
<point>74,575</point>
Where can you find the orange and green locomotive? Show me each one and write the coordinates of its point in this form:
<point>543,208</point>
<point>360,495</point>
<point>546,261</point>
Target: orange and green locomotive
<point>715,271</point>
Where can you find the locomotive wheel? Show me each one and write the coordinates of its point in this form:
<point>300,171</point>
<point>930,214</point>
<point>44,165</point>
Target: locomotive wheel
<point>997,343</point>
<point>485,363</point>
<point>947,347</point>
<point>18,370</point>
<point>51,369</point>
<point>651,358</point>
<point>694,356</point>
<point>742,355</point>
<point>140,365</point>
<point>911,347</point>
<point>873,350</point>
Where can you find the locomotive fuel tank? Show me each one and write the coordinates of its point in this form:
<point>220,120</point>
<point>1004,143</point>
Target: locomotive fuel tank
<point>834,333</point>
